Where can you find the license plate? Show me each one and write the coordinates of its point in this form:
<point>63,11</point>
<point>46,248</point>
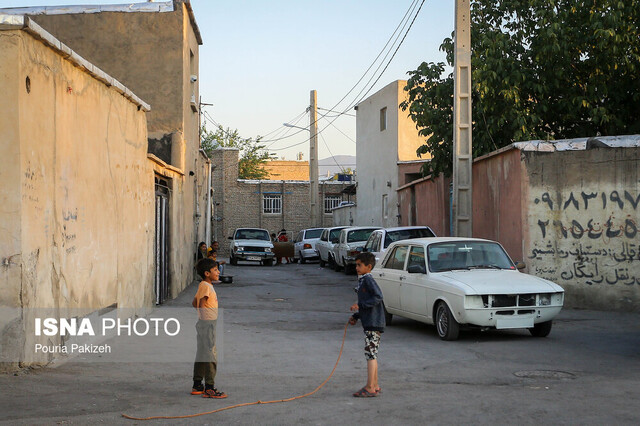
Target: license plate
<point>516,322</point>
<point>253,258</point>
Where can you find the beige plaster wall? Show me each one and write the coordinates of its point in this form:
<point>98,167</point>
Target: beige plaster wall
<point>150,53</point>
<point>582,224</point>
<point>141,50</point>
<point>86,192</point>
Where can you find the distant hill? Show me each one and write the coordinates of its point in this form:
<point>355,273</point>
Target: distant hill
<point>328,165</point>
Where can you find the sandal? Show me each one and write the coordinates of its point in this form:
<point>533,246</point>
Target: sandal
<point>364,393</point>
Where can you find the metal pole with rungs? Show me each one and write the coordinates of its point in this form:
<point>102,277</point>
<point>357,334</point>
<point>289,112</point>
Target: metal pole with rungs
<point>462,152</point>
<point>313,158</point>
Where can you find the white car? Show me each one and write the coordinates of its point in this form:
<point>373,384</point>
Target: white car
<point>324,246</point>
<point>379,240</point>
<point>349,245</point>
<point>253,244</point>
<point>304,247</point>
<point>453,282</point>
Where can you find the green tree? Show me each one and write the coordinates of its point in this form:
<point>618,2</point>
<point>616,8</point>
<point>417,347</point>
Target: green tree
<point>542,69</point>
<point>253,155</point>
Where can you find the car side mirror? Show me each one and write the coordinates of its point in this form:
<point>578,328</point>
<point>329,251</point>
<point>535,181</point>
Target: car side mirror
<point>362,249</point>
<point>520,265</point>
<point>416,269</point>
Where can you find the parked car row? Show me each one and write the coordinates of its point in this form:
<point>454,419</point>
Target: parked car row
<point>448,282</point>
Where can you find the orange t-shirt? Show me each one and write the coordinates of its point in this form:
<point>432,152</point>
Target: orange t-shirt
<point>206,301</point>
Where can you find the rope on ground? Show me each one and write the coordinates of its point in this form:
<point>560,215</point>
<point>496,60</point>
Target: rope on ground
<point>246,404</point>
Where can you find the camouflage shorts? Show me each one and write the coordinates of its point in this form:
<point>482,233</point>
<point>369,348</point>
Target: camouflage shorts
<point>371,344</point>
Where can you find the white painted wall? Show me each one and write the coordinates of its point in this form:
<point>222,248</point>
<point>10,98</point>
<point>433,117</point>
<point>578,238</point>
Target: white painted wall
<point>378,152</point>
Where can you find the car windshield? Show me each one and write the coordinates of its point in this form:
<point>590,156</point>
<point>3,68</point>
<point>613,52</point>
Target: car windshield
<point>407,234</point>
<point>466,255</point>
<point>359,235</point>
<point>312,233</point>
<point>252,234</point>
<point>335,234</point>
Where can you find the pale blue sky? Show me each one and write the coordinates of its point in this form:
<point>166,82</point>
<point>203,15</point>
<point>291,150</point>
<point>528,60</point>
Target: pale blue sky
<point>260,59</point>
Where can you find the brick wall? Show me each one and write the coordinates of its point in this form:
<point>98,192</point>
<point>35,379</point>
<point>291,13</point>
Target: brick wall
<point>239,202</point>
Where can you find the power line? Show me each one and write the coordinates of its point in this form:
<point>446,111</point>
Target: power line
<point>339,112</point>
<point>336,127</point>
<point>330,153</point>
<point>402,24</point>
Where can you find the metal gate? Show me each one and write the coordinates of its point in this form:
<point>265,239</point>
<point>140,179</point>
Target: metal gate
<point>161,243</point>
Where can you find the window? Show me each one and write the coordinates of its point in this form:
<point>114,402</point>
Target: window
<point>385,206</point>
<point>331,202</point>
<point>324,235</point>
<point>272,204</point>
<point>396,260</point>
<point>383,119</point>
<point>370,245</point>
<point>416,259</point>
<point>312,233</point>
<point>407,234</point>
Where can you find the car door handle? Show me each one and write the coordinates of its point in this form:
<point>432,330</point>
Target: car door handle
<point>401,278</point>
<point>381,274</point>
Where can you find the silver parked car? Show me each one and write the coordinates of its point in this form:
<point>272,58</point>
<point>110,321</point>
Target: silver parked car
<point>304,247</point>
<point>324,246</point>
<point>379,240</point>
<point>349,245</point>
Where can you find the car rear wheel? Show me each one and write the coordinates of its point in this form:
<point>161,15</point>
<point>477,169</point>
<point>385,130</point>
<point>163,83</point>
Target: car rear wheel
<point>542,329</point>
<point>446,325</point>
<point>302,259</point>
<point>322,263</point>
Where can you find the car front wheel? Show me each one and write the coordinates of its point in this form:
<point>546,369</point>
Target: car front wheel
<point>322,263</point>
<point>302,259</point>
<point>233,260</point>
<point>446,325</point>
<point>542,329</point>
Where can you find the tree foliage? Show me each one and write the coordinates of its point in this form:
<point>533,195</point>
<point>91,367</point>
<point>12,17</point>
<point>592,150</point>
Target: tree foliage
<point>253,155</point>
<point>541,69</point>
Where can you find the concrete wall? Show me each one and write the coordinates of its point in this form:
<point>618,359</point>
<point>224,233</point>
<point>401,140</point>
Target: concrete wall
<point>583,222</point>
<point>426,202</point>
<point>287,170</point>
<point>497,200</point>
<point>239,202</point>
<point>572,215</point>
<point>378,153</point>
<point>155,54</point>
<point>77,192</point>
<point>345,216</point>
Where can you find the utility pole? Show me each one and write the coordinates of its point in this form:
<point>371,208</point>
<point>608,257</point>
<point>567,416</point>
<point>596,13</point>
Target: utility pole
<point>462,152</point>
<point>313,157</point>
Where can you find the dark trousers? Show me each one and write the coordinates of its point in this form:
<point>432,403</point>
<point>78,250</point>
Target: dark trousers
<point>205,366</point>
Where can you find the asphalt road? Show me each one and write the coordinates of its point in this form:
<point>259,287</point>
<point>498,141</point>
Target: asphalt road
<point>283,327</point>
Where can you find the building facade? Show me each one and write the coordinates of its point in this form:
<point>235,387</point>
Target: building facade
<point>385,138</point>
<point>268,204</point>
<point>76,190</point>
<point>152,48</point>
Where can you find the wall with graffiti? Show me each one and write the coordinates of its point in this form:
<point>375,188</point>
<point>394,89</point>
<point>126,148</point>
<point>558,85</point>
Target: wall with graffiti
<point>584,224</point>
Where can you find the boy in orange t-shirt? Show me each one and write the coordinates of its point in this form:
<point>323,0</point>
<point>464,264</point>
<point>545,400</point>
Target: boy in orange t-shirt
<point>206,304</point>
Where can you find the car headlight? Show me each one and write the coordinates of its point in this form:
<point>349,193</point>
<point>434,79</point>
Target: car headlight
<point>544,300</point>
<point>473,302</point>
<point>267,249</point>
<point>239,248</point>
